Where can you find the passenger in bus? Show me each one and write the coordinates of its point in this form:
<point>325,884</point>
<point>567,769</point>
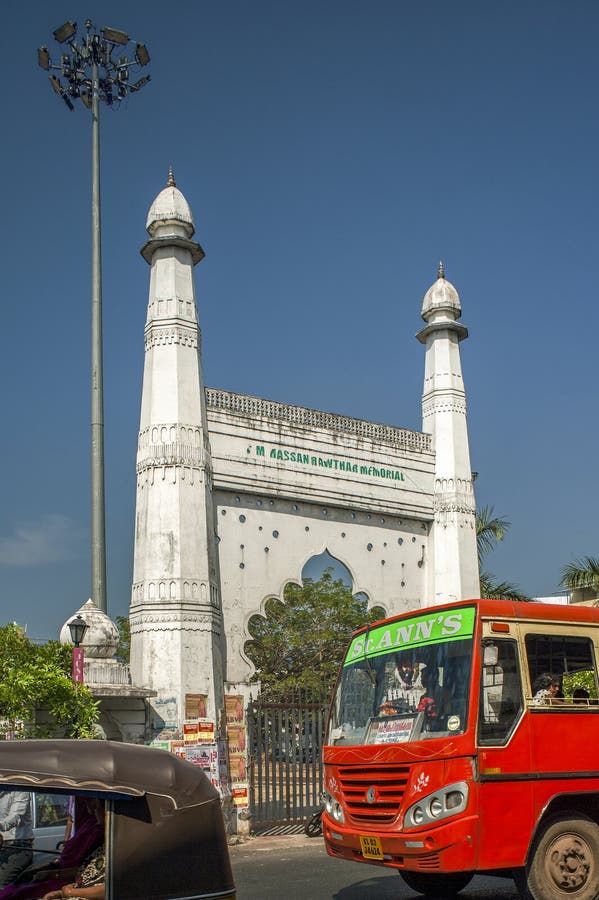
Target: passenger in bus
<point>546,688</point>
<point>16,834</point>
<point>581,695</point>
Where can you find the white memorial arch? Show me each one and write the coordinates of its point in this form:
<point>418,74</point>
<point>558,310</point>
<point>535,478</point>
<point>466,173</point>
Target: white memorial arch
<point>236,493</point>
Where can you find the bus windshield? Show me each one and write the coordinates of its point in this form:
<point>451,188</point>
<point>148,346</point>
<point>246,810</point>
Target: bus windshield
<point>404,680</point>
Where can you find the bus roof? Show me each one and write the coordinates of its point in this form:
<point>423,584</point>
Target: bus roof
<point>508,609</point>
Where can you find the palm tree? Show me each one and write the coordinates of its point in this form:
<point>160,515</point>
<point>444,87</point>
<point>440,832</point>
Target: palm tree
<point>491,529</point>
<point>582,574</point>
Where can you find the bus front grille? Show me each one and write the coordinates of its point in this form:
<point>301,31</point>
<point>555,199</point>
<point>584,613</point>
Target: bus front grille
<point>373,793</point>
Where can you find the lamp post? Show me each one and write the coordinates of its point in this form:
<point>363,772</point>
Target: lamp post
<point>77,627</point>
<point>91,71</point>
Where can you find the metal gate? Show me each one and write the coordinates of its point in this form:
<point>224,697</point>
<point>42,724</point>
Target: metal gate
<point>285,759</point>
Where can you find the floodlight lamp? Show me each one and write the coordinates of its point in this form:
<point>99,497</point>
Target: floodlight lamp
<point>141,83</point>
<point>77,627</point>
<point>68,102</point>
<point>43,58</point>
<point>141,54</point>
<point>116,36</point>
<point>86,99</point>
<point>56,84</point>
<point>65,31</point>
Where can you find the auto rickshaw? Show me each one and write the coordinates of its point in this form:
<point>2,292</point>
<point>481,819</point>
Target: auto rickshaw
<point>165,835</point>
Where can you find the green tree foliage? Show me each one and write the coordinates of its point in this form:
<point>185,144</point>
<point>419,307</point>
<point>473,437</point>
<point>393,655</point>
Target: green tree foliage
<point>582,574</point>
<point>490,529</point>
<point>39,675</point>
<point>123,651</point>
<point>300,643</point>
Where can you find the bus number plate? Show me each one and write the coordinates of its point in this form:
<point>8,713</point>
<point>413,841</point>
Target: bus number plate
<point>371,847</point>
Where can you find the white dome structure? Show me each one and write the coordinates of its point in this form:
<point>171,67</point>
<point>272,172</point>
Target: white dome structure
<point>441,295</point>
<point>170,208</point>
<point>102,636</point>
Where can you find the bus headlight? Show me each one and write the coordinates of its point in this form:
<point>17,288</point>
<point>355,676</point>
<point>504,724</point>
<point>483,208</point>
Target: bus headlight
<point>435,807</point>
<point>338,813</point>
<point>453,799</point>
<point>333,808</point>
<point>447,802</point>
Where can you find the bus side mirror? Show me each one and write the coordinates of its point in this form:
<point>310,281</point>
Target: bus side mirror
<point>490,655</point>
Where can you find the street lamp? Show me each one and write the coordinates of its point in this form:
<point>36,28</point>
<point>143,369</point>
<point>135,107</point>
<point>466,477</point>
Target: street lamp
<point>96,67</point>
<point>77,627</point>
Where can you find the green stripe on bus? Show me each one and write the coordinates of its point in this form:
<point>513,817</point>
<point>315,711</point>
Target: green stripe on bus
<point>418,631</point>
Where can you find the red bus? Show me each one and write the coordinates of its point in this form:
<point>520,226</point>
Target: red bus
<point>464,739</point>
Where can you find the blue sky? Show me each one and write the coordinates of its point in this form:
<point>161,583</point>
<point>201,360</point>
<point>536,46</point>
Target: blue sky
<point>332,153</point>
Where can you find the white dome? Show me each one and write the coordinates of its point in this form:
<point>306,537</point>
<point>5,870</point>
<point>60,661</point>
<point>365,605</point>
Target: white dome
<point>170,206</point>
<point>102,636</point>
<point>441,295</point>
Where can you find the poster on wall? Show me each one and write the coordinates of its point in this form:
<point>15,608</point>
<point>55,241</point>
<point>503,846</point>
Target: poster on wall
<point>191,732</point>
<point>241,795</point>
<point>234,709</point>
<point>236,736</point>
<point>237,768</point>
<point>164,715</point>
<point>195,706</point>
<point>212,758</point>
<point>206,731</point>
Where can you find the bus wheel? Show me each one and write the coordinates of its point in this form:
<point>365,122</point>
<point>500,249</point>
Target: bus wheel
<point>437,885</point>
<point>565,861</point>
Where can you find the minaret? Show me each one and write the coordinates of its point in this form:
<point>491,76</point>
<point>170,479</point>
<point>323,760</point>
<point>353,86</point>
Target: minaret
<point>176,621</point>
<point>453,569</point>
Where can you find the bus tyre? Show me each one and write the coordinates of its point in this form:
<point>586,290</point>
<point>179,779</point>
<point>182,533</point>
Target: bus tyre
<point>437,885</point>
<point>565,861</point>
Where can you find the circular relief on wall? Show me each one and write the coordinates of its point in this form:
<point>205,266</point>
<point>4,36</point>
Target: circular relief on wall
<point>369,546</point>
<point>275,534</point>
<point>242,518</point>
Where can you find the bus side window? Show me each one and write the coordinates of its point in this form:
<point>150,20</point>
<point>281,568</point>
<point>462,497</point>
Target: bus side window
<point>569,659</point>
<point>500,694</point>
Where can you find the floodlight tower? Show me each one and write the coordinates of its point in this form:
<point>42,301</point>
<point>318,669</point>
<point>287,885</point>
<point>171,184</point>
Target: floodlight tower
<point>91,70</point>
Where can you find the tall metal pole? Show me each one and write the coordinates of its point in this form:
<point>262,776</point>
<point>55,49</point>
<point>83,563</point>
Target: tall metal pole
<point>98,522</point>
<point>95,69</point>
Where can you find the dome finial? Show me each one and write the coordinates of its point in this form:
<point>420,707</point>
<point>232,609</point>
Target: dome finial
<point>171,178</point>
<point>441,272</point>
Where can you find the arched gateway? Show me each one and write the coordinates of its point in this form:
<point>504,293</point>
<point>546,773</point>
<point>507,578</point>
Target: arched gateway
<point>236,493</point>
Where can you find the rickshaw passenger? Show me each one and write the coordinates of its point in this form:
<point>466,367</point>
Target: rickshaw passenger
<point>16,834</point>
<point>90,881</point>
<point>42,877</point>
